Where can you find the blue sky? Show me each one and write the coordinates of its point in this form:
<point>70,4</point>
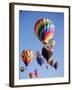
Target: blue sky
<point>28,40</point>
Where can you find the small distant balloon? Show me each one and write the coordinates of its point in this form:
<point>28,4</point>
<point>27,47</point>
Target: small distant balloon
<point>31,74</point>
<point>22,69</point>
<point>46,67</point>
<point>52,42</point>
<point>56,65</point>
<point>36,73</point>
<point>27,56</point>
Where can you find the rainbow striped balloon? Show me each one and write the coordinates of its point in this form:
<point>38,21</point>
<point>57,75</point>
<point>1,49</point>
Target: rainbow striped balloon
<point>44,30</point>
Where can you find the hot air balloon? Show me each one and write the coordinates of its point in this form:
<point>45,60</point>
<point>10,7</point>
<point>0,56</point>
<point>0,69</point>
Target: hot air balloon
<point>40,59</point>
<point>46,67</point>
<point>47,53</point>
<point>31,74</point>
<point>51,43</point>
<point>27,56</point>
<point>55,65</point>
<point>44,29</point>
<point>22,69</point>
<point>36,73</point>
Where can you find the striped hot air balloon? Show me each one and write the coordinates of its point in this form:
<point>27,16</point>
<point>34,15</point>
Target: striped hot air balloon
<point>27,56</point>
<point>44,29</point>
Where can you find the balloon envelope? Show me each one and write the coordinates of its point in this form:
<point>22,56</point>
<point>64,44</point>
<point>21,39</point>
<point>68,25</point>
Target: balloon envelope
<point>40,59</point>
<point>31,74</point>
<point>56,65</point>
<point>27,56</point>
<point>22,69</point>
<point>47,54</point>
<point>36,73</point>
<point>44,30</point>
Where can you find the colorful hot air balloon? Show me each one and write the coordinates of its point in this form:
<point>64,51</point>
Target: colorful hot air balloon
<point>27,56</point>
<point>44,29</point>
